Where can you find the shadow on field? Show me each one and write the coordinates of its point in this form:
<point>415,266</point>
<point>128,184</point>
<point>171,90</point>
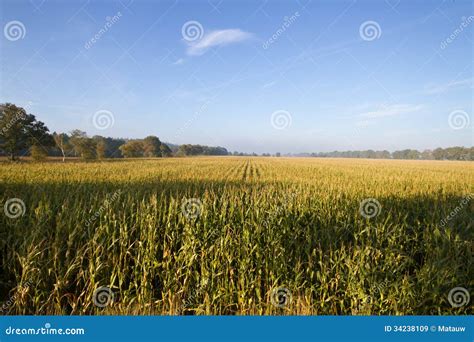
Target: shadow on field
<point>318,246</point>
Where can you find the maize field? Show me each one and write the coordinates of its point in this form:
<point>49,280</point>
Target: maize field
<point>237,236</point>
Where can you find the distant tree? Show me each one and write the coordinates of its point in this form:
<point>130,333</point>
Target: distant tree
<point>75,138</point>
<point>113,147</point>
<point>165,150</point>
<point>450,153</point>
<point>151,146</point>
<point>426,154</point>
<point>457,153</point>
<point>190,150</point>
<point>19,130</point>
<point>83,146</point>
<point>38,153</point>
<point>406,154</point>
<point>278,154</point>
<point>132,149</point>
<point>438,154</point>
<point>196,150</point>
<point>183,151</point>
<point>62,143</point>
<point>382,154</point>
<point>100,147</point>
<point>413,154</point>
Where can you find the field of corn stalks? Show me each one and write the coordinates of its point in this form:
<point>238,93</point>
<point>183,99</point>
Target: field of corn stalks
<point>230,235</point>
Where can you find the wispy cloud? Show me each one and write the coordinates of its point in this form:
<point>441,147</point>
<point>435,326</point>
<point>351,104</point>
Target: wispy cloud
<point>442,88</point>
<point>217,38</point>
<point>178,61</point>
<point>268,85</point>
<point>391,110</point>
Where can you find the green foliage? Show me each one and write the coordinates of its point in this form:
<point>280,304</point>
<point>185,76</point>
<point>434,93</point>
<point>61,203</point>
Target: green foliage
<point>450,153</point>
<point>165,150</point>
<point>151,147</point>
<point>38,153</point>
<point>62,143</point>
<point>406,154</point>
<point>132,149</point>
<point>454,153</point>
<point>195,150</point>
<point>83,146</point>
<point>100,147</point>
<point>19,130</point>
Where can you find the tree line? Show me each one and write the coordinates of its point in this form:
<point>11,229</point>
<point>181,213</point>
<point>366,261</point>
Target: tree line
<point>449,153</point>
<point>21,133</point>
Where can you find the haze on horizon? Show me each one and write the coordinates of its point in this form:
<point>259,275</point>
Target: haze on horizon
<point>289,77</point>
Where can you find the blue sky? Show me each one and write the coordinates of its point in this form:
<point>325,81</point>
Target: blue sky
<point>337,75</point>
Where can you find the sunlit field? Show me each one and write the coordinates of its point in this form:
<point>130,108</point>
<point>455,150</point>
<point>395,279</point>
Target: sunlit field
<point>231,235</point>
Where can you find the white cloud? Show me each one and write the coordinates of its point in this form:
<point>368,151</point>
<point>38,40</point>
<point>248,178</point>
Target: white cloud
<point>391,110</point>
<point>179,61</point>
<point>431,89</point>
<point>268,85</point>
<point>217,38</point>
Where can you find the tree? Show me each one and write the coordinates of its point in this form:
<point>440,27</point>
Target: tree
<point>75,140</point>
<point>151,146</point>
<point>38,153</point>
<point>20,131</point>
<point>438,154</point>
<point>165,150</point>
<point>62,143</point>
<point>406,154</point>
<point>83,145</point>
<point>426,154</point>
<point>195,150</point>
<point>382,154</point>
<point>100,147</point>
<point>132,149</point>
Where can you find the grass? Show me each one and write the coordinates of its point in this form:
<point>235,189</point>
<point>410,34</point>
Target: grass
<point>261,236</point>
